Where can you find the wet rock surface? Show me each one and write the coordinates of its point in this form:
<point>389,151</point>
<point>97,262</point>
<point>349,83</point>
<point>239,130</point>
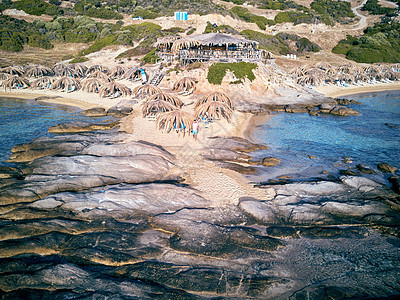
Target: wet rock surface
<point>97,216</point>
<point>80,126</point>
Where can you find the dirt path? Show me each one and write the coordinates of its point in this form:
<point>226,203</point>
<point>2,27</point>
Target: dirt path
<point>363,19</point>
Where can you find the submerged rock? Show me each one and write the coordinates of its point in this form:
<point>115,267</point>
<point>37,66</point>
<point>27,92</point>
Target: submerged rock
<point>77,126</point>
<point>364,169</point>
<point>270,161</point>
<point>95,112</point>
<point>341,110</point>
<point>386,168</point>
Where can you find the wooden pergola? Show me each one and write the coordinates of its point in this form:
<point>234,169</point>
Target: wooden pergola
<point>211,47</point>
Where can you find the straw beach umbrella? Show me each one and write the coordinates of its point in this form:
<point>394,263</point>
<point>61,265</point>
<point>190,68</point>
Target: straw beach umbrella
<point>372,69</point>
<point>216,96</point>
<point>13,70</point>
<point>63,70</point>
<point>214,110</point>
<point>92,85</point>
<point>133,74</point>
<point>99,75</point>
<point>80,69</point>
<point>154,107</point>
<point>299,71</point>
<point>117,72</point>
<point>114,89</point>
<point>95,68</point>
<point>16,82</point>
<point>38,71</point>
<point>67,84</point>
<point>171,99</point>
<point>323,65</point>
<point>145,90</point>
<point>185,84</point>
<point>175,119</point>
<point>4,77</point>
<point>44,82</point>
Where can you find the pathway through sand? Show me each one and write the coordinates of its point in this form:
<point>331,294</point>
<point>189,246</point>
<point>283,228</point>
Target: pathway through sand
<point>222,186</point>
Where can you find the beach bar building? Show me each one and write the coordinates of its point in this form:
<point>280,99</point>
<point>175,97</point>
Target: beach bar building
<point>210,47</point>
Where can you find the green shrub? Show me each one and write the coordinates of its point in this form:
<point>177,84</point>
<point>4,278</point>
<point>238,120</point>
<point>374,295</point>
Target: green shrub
<point>190,31</point>
<point>11,41</point>
<point>79,59</point>
<point>174,30</point>
<point>295,17</point>
<point>242,70</point>
<point>378,44</point>
<point>278,5</point>
<point>37,7</point>
<point>100,43</point>
<point>283,17</point>
<point>67,57</point>
<point>331,11</point>
<point>374,8</point>
<point>305,45</point>
<point>151,57</point>
<point>96,10</point>
<point>40,41</point>
<point>145,13</point>
<point>342,48</point>
<point>15,33</point>
<point>246,15</point>
<point>220,28</point>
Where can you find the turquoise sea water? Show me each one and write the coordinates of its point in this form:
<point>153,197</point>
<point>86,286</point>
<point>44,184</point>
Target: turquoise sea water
<point>24,120</point>
<point>366,139</point>
<point>370,138</point>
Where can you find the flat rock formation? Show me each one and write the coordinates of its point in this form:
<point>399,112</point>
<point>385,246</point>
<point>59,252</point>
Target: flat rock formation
<point>96,216</point>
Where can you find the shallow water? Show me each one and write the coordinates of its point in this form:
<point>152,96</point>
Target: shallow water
<point>371,138</point>
<point>25,120</point>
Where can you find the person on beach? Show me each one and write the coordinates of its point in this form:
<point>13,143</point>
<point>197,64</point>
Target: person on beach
<point>195,127</point>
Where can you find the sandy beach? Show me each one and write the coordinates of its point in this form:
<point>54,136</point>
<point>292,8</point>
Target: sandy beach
<point>223,185</point>
<point>336,91</point>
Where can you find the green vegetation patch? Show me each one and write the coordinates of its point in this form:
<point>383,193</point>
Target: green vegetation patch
<point>242,70</point>
<point>15,33</point>
<point>330,11</point>
<point>220,28</point>
<point>295,17</point>
<point>380,43</point>
<point>245,15</point>
<point>191,31</point>
<point>38,7</point>
<point>79,59</point>
<point>96,9</point>
<point>281,43</point>
<point>151,57</point>
<point>374,8</point>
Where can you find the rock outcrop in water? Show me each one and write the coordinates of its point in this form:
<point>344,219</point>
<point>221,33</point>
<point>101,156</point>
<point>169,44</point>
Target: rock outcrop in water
<point>102,216</point>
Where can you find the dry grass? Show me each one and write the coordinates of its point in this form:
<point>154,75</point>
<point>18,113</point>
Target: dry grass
<point>33,55</point>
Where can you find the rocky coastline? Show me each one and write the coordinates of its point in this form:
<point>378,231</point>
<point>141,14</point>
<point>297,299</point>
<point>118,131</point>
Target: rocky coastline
<point>105,215</point>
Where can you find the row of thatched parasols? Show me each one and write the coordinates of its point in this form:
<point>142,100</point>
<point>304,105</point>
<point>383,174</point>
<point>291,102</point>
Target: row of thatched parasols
<point>97,79</point>
<point>167,107</point>
<point>324,73</point>
<point>75,71</point>
<point>69,84</point>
